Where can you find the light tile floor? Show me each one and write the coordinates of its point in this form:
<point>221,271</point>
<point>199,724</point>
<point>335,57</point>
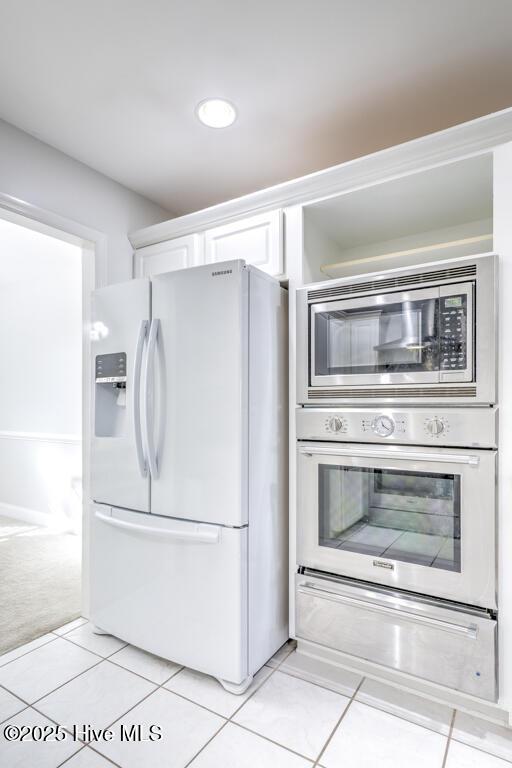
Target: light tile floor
<point>72,676</point>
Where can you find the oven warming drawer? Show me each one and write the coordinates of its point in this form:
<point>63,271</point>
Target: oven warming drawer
<point>422,638</point>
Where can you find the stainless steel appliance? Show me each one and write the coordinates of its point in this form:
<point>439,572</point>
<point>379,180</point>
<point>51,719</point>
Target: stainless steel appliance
<point>445,643</point>
<point>415,334</point>
<point>396,539</point>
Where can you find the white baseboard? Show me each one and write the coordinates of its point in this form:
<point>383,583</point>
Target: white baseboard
<point>25,515</point>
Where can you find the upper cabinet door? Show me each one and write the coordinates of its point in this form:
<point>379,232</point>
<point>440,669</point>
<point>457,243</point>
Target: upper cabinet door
<point>258,240</point>
<point>168,256</point>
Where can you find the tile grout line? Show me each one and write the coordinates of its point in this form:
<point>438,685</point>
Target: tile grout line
<point>158,686</point>
<point>390,711</point>
<point>176,672</point>
<point>386,710</point>
<point>227,720</point>
<point>84,648</point>
<point>63,684</point>
<point>146,679</point>
<point>230,719</point>
<point>72,629</point>
<point>100,660</point>
<point>313,682</point>
<point>340,719</point>
<point>272,741</point>
<point>479,749</point>
<point>448,740</point>
<point>51,640</point>
<point>86,746</point>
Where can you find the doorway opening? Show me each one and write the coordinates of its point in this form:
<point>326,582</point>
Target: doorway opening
<point>41,428</point>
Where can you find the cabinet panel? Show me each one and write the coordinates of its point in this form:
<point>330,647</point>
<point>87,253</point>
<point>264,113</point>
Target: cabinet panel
<point>168,256</point>
<point>258,240</point>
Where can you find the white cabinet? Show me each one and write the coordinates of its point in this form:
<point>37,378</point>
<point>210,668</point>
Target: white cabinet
<point>258,240</point>
<point>168,256</point>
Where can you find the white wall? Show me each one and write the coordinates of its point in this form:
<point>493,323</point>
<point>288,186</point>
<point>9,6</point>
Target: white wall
<point>40,332</point>
<point>41,381</point>
<point>42,176</point>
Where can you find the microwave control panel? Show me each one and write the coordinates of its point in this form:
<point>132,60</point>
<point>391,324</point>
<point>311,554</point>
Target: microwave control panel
<point>453,322</point>
<point>463,427</point>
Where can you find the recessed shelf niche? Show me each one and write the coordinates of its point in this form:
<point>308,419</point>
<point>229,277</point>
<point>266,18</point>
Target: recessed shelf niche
<point>433,215</point>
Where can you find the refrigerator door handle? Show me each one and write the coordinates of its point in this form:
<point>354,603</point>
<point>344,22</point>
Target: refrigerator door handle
<point>149,371</point>
<point>137,366</point>
<point>198,533</point>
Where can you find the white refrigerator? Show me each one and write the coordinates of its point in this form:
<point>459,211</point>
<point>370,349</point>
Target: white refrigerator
<point>189,467</point>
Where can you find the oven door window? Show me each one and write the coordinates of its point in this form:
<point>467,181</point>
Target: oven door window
<point>394,514</point>
<point>397,337</point>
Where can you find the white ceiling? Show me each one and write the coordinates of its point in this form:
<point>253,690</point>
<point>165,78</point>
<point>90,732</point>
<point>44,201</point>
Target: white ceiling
<point>114,83</point>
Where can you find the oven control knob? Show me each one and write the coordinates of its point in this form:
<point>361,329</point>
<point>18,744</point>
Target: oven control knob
<point>383,426</point>
<point>335,424</point>
<point>435,426</point>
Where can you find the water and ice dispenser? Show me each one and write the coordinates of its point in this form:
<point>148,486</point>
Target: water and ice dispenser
<point>110,411</point>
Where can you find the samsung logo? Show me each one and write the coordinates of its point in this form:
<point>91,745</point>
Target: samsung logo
<point>222,272</point>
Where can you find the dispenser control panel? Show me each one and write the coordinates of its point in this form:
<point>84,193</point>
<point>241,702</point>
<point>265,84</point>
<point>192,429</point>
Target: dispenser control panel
<point>111,369</point>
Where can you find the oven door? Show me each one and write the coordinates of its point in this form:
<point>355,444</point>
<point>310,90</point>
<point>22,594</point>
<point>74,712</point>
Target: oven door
<point>420,336</point>
<point>419,519</point>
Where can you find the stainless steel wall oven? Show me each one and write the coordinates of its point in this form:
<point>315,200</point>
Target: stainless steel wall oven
<point>396,532</point>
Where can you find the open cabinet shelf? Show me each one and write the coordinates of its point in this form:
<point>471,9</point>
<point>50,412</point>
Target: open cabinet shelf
<point>441,213</point>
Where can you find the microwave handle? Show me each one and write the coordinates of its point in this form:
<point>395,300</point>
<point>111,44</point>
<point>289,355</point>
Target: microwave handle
<point>307,588</point>
<point>448,458</point>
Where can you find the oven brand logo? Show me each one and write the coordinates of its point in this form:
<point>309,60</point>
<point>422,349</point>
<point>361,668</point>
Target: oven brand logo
<point>222,272</point>
<point>384,564</point>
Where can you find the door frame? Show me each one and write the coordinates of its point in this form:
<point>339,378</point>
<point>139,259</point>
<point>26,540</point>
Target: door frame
<point>93,244</point>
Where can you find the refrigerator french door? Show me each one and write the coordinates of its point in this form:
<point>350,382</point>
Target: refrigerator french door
<point>170,431</point>
<point>417,519</point>
<point>119,471</point>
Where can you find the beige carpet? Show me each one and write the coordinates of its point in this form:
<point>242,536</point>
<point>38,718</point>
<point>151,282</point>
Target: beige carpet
<point>39,581</point>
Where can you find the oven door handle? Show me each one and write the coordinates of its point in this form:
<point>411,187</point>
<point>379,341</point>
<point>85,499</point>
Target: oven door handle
<point>470,631</point>
<point>447,458</point>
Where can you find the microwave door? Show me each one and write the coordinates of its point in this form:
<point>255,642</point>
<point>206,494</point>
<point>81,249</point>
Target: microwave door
<point>387,338</point>
<point>412,330</point>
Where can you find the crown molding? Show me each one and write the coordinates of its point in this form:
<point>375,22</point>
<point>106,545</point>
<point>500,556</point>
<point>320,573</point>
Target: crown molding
<point>445,146</point>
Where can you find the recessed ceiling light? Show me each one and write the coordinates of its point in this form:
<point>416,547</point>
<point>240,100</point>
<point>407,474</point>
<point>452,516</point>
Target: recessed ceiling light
<point>216,113</point>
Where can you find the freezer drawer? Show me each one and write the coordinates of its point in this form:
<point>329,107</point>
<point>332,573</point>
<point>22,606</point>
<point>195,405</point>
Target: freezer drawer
<point>174,588</point>
<point>426,639</point>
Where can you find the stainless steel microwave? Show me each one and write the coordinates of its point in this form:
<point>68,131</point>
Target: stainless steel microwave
<point>417,335</point>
